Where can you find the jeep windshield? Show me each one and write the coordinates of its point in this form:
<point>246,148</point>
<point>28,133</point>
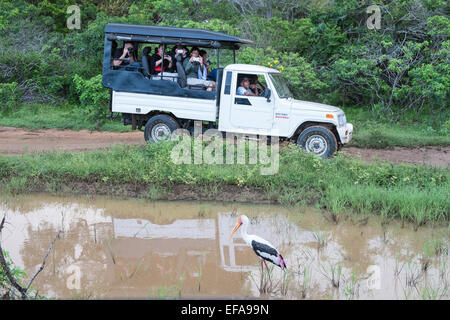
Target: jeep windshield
<point>280,85</point>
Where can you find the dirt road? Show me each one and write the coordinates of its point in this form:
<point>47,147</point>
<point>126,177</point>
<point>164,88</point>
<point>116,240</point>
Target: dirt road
<point>16,141</point>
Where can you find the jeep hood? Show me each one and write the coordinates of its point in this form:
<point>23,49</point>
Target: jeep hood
<point>313,106</point>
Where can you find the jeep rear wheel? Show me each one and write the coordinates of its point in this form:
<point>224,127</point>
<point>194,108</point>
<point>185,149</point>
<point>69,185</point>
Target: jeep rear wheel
<point>318,140</point>
<point>160,128</point>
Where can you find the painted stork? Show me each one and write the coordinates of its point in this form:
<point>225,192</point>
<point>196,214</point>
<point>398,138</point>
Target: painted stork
<point>263,248</point>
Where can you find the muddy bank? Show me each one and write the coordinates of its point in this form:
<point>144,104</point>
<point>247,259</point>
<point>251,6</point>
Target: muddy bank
<point>16,141</point>
<point>227,193</point>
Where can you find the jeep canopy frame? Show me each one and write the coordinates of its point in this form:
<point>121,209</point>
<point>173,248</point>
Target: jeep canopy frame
<point>172,35</point>
<point>134,81</point>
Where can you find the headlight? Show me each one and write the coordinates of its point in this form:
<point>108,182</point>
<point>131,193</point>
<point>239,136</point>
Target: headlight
<point>342,120</point>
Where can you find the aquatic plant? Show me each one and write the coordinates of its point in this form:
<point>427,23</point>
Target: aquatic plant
<point>333,272</point>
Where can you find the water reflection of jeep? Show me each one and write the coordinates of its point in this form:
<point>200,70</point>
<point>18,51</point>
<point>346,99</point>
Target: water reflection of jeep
<point>164,102</point>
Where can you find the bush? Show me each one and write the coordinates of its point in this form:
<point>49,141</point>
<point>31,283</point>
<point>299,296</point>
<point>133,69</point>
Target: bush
<point>41,74</point>
<point>15,271</point>
<point>94,97</point>
<point>9,96</point>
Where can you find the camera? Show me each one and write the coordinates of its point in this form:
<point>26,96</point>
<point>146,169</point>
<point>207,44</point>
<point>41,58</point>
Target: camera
<point>196,59</point>
<point>180,50</point>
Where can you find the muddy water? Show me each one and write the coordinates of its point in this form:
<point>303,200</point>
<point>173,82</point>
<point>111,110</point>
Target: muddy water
<point>114,248</point>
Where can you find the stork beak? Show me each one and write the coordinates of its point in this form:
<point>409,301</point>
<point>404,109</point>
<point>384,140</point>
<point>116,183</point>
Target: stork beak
<point>238,224</point>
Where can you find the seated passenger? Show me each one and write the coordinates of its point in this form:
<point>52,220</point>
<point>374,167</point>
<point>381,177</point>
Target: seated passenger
<point>193,68</point>
<point>192,64</point>
<point>127,57</point>
<point>254,81</point>
<point>203,73</point>
<point>244,89</point>
<point>157,64</point>
<point>179,50</point>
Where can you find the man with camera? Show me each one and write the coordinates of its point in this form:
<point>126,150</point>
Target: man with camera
<point>192,64</point>
<point>179,53</point>
<point>127,56</point>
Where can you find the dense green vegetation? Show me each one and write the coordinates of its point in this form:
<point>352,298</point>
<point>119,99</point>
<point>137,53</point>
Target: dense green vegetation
<point>340,186</point>
<point>398,73</point>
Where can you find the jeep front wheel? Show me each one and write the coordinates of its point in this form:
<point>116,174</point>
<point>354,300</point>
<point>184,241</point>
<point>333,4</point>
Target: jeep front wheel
<point>318,140</point>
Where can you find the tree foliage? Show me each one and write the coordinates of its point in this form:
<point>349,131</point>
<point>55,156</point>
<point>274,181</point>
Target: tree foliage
<point>327,51</point>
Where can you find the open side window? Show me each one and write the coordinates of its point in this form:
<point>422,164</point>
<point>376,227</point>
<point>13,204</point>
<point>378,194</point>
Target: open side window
<point>120,78</point>
<point>256,84</point>
<point>130,62</point>
<point>137,77</point>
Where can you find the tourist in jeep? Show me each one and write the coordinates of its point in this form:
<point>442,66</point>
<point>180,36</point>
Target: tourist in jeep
<point>127,57</point>
<point>244,89</point>
<point>193,67</point>
<point>157,63</point>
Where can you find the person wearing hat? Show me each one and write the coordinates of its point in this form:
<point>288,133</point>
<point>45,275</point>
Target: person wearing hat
<point>244,89</point>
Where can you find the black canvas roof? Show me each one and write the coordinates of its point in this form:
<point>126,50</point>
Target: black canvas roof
<point>172,35</point>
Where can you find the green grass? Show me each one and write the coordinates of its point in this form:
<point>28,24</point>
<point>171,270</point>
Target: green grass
<point>381,135</point>
<point>38,116</point>
<point>410,131</point>
<point>341,186</point>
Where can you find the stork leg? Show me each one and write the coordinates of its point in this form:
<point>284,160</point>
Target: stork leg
<point>267,268</point>
<point>262,277</point>
<point>268,272</point>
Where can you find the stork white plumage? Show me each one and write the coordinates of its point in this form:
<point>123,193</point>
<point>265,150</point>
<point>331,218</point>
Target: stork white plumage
<point>263,248</point>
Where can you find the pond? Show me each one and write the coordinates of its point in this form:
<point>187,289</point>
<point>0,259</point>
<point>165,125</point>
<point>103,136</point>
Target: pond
<point>131,248</point>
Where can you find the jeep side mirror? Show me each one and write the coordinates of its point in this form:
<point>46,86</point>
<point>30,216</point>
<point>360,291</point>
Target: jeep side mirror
<point>267,94</point>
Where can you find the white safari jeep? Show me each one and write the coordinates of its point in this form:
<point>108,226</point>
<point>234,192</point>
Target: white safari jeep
<point>165,101</point>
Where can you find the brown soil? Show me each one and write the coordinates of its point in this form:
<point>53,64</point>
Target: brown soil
<point>16,141</point>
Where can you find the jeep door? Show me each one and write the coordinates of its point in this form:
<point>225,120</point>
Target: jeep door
<point>251,112</point>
